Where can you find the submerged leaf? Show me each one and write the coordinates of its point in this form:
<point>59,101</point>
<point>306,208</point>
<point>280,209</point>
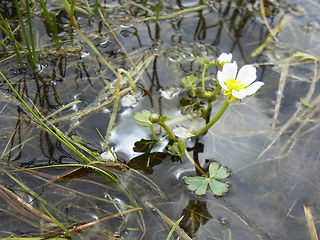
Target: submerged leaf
<point>190,81</point>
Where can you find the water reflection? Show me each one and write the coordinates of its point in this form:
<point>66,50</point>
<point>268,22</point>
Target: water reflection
<point>195,215</point>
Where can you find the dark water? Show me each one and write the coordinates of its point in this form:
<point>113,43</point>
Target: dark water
<point>269,142</point>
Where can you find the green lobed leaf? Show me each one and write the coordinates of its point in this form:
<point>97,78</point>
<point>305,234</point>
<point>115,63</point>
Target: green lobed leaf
<point>197,184</point>
<point>218,188</point>
<point>190,81</point>
<point>163,119</point>
<point>142,118</point>
<point>200,184</point>
<point>177,148</point>
<point>217,172</point>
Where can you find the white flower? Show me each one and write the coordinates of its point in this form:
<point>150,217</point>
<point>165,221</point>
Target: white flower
<point>238,86</point>
<point>225,57</point>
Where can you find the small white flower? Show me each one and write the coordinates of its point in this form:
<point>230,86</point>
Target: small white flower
<point>225,57</point>
<point>238,86</point>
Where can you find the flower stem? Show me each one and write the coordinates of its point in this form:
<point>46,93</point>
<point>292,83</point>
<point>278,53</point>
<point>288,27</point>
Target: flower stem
<point>153,133</point>
<point>213,120</point>
<point>203,76</point>
<point>216,91</point>
<point>194,163</point>
<point>167,129</point>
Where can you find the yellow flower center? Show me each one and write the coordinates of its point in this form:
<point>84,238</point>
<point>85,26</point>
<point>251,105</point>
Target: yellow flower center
<point>234,84</point>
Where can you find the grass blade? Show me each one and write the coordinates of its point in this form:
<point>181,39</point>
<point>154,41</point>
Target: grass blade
<point>60,138</point>
<point>174,227</point>
<point>66,231</point>
<point>51,22</point>
<point>24,31</point>
<point>33,55</point>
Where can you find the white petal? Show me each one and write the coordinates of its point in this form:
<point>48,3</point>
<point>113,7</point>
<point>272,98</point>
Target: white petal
<point>240,95</point>
<point>225,57</point>
<point>221,80</point>
<point>229,71</point>
<point>247,74</point>
<point>253,88</point>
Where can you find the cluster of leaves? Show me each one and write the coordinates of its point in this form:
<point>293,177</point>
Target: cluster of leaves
<point>198,101</point>
<point>150,158</point>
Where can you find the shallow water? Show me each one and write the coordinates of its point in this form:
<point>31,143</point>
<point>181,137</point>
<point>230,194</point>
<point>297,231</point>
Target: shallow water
<point>269,141</point>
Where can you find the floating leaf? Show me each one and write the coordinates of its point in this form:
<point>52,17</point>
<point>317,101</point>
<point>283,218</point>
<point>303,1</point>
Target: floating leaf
<point>218,188</point>
<point>142,118</point>
<point>197,184</point>
<point>217,172</point>
<point>200,184</point>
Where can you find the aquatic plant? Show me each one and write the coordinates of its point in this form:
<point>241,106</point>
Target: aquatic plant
<point>200,184</point>
<point>236,86</point>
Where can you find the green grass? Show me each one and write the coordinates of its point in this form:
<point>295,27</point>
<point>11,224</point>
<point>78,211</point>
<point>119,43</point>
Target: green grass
<point>31,52</point>
<point>51,20</point>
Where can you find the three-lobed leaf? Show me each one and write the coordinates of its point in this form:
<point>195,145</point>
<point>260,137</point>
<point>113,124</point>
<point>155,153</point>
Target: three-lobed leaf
<point>197,184</point>
<point>218,188</point>
<point>218,172</point>
<point>142,118</point>
<point>200,184</point>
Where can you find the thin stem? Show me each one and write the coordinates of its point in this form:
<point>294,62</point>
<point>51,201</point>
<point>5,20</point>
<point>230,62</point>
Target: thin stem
<point>167,129</point>
<point>153,133</point>
<point>203,76</point>
<point>176,14</point>
<point>115,108</point>
<point>213,120</point>
<point>194,163</point>
<point>216,91</point>
<point>129,78</point>
<point>158,8</point>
